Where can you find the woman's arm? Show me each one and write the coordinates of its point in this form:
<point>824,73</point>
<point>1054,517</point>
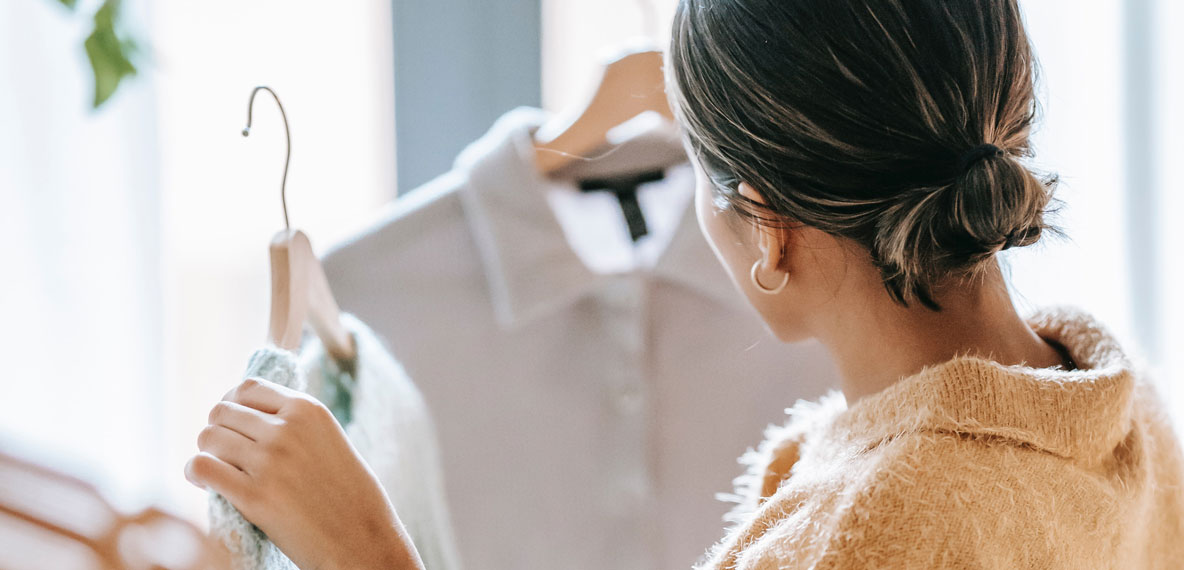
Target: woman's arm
<point>280,457</point>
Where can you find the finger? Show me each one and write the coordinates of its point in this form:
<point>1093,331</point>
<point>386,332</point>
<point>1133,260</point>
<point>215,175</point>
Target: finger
<point>213,474</point>
<point>260,394</point>
<point>251,423</point>
<point>228,445</point>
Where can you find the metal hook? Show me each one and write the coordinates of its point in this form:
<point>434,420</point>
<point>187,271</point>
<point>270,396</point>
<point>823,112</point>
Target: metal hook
<point>287,133</point>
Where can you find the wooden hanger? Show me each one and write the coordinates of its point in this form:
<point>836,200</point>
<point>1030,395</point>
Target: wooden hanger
<point>629,85</point>
<point>299,289</point>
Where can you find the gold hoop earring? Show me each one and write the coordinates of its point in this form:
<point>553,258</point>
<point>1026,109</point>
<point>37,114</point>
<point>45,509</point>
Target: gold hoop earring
<point>755,281</point>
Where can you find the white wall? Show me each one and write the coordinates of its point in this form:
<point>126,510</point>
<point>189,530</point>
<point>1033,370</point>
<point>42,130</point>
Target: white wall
<point>79,256</point>
<point>1080,137</point>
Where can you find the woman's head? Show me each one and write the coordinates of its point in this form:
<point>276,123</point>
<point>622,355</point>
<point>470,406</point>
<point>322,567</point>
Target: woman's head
<point>893,125</point>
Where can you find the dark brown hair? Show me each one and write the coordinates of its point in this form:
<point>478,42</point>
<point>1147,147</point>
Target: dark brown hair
<point>899,124</point>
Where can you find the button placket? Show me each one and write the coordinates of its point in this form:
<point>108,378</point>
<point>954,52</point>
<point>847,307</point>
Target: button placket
<point>632,492</point>
<point>630,400</point>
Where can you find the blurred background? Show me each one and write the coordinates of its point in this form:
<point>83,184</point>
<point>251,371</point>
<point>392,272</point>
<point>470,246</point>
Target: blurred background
<point>134,270</point>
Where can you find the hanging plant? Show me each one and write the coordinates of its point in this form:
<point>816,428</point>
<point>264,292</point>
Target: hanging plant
<point>109,50</point>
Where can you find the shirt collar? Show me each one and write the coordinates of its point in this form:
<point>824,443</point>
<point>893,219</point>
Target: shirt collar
<point>1080,414</point>
<point>530,267</point>
<point>689,261</point>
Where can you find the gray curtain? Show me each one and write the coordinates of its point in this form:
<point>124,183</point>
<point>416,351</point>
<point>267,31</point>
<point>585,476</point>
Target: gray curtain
<point>459,64</point>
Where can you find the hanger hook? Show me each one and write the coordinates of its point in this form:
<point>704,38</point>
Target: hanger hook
<point>287,134</point>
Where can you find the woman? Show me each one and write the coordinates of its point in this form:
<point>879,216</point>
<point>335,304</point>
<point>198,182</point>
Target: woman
<point>859,168</point>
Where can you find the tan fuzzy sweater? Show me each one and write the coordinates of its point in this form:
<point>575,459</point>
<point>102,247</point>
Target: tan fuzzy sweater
<point>971,464</point>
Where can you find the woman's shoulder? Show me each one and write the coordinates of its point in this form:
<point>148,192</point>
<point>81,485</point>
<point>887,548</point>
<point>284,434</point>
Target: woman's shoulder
<point>924,500</point>
<point>769,465</point>
<point>961,466</point>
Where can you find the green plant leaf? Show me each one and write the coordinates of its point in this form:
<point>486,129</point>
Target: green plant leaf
<point>110,56</point>
<point>71,4</point>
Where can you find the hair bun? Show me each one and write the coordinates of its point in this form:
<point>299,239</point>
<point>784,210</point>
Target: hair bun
<point>994,204</point>
<point>976,154</point>
<point>1024,237</point>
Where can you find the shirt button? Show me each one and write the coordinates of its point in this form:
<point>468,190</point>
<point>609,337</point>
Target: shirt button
<point>633,490</point>
<point>629,400</point>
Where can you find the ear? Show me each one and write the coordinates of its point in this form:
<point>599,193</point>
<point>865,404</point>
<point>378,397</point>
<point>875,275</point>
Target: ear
<point>770,240</point>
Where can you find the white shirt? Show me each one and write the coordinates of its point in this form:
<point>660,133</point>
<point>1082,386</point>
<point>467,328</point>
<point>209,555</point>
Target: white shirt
<point>591,397</point>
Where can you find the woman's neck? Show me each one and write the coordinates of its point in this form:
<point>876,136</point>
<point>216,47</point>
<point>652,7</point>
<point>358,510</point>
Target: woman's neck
<point>881,342</point>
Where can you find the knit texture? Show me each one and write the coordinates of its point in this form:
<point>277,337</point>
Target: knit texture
<point>387,421</point>
<point>249,547</point>
<point>971,464</point>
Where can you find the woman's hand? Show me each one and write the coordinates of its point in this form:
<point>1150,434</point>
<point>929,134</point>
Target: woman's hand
<point>280,457</point>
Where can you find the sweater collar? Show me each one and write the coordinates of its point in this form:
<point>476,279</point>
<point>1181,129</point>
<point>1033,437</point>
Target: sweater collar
<point>1078,414</point>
